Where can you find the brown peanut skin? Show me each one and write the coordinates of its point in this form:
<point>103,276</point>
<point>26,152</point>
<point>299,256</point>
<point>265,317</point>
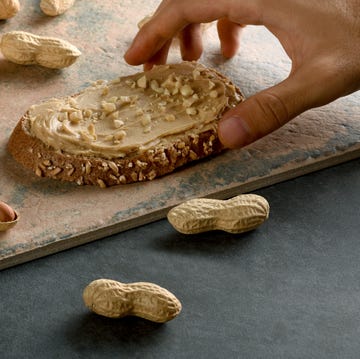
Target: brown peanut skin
<point>8,217</point>
<point>113,299</point>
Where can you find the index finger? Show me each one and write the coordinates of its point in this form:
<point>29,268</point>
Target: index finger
<point>152,37</point>
<point>172,16</point>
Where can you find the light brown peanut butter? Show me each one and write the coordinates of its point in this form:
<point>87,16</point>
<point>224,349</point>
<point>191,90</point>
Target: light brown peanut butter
<point>134,113</point>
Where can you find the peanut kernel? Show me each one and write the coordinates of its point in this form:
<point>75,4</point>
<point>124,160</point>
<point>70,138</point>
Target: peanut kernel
<point>191,111</point>
<point>186,90</point>
<point>142,82</point>
<point>170,118</point>
<point>213,94</point>
<point>108,106</point>
<point>75,116</point>
<point>146,120</point>
<point>119,135</point>
<point>118,123</point>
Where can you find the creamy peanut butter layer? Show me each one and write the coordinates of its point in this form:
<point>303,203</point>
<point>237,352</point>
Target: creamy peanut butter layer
<point>133,113</point>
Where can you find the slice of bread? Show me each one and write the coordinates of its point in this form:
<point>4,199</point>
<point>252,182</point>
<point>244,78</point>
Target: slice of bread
<point>131,129</point>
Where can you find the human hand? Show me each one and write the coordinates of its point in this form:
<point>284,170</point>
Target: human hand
<point>322,39</point>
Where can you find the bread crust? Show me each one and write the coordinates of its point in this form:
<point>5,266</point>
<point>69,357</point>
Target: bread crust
<point>155,162</point>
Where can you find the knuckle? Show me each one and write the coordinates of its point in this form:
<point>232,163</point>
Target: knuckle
<point>272,109</point>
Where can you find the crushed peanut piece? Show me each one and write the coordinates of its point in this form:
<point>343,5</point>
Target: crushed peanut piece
<point>63,116</point>
<point>154,85</point>
<point>146,120</point>
<point>118,123</point>
<point>186,90</point>
<point>108,106</point>
<point>196,74</point>
<point>170,118</point>
<point>105,91</point>
<point>191,111</point>
<point>91,129</point>
<point>118,136</point>
<point>115,115</point>
<point>142,82</point>
<point>76,116</point>
<point>87,113</point>
<point>130,83</point>
<point>86,136</point>
<point>213,94</point>
<point>113,99</point>
<point>125,100</point>
<point>211,85</point>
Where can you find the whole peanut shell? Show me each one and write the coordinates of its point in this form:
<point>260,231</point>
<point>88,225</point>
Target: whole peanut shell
<point>235,215</point>
<point>55,7</point>
<point>114,299</point>
<point>25,48</point>
<point>9,8</point>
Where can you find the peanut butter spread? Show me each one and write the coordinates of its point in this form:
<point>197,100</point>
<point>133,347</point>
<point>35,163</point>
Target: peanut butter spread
<point>134,113</point>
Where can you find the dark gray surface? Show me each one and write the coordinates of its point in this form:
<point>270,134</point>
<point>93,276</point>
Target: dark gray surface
<point>290,289</point>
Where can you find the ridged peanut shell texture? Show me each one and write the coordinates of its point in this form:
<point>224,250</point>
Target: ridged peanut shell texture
<point>25,48</point>
<point>236,215</point>
<point>9,8</point>
<point>114,299</point>
<point>55,7</point>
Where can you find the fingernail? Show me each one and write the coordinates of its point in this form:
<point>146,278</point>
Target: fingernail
<point>234,132</point>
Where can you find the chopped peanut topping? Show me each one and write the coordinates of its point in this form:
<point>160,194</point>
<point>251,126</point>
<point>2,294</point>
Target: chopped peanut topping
<point>213,94</point>
<point>108,106</point>
<point>142,82</point>
<point>76,116</point>
<point>170,118</point>
<point>118,136</point>
<point>118,123</point>
<point>186,90</point>
<point>191,111</point>
<point>137,111</point>
<point>146,120</point>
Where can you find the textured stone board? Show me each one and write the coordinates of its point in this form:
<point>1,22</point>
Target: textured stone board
<point>56,216</point>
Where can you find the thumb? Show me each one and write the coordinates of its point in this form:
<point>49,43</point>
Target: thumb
<point>270,109</point>
<point>254,118</point>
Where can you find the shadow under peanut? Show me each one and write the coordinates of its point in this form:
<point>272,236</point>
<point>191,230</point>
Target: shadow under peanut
<point>92,331</point>
<point>26,74</point>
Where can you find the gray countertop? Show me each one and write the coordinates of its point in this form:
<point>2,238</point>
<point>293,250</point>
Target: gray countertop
<point>290,289</point>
